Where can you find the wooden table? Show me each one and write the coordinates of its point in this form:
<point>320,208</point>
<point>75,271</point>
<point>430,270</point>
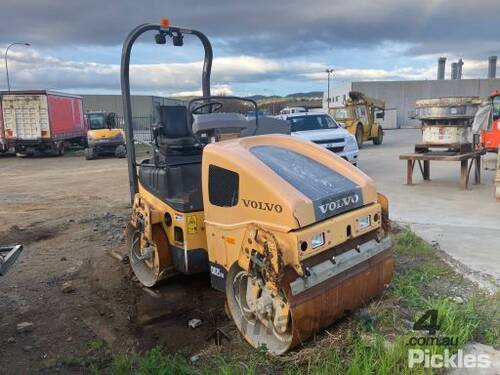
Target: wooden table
<point>424,162</point>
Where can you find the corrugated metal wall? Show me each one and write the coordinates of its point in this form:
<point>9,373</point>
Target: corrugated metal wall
<point>402,95</point>
<point>142,105</point>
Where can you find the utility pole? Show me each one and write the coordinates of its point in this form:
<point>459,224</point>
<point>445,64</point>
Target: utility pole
<point>273,94</point>
<point>6,64</point>
<point>328,100</point>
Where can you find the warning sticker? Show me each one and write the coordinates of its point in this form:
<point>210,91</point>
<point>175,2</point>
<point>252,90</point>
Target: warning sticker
<point>192,226</point>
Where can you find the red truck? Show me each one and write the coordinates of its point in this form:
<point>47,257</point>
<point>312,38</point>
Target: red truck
<point>43,121</point>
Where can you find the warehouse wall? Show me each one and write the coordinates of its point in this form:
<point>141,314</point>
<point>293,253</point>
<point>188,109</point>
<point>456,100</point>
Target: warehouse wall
<point>142,105</point>
<point>402,95</point>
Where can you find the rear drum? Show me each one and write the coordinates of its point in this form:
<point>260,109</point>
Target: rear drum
<point>261,317</point>
<point>142,259</point>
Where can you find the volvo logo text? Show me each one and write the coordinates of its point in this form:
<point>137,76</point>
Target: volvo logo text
<point>339,203</point>
<point>265,206</point>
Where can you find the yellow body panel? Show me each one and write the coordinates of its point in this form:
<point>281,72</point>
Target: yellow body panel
<point>100,134</point>
<point>194,235</point>
<point>261,184</point>
<point>229,229</point>
<point>336,229</point>
<point>232,234</point>
<point>228,244</point>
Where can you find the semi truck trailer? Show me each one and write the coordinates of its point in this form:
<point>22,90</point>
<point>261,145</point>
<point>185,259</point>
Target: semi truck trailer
<point>41,121</point>
<point>3,144</point>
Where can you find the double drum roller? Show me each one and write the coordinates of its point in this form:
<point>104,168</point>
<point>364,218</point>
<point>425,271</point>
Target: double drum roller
<point>294,236</point>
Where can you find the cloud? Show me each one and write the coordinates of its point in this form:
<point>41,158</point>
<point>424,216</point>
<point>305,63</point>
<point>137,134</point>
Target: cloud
<point>222,90</point>
<point>30,69</point>
<point>271,28</point>
<point>349,74</point>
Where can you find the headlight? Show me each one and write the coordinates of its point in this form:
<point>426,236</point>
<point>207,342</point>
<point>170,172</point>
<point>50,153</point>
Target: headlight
<point>350,142</point>
<point>364,222</point>
<point>318,240</point>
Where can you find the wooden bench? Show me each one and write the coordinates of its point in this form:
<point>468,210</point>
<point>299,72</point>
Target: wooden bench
<point>424,162</point>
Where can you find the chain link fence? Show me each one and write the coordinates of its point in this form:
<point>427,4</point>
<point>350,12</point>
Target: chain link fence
<point>142,128</point>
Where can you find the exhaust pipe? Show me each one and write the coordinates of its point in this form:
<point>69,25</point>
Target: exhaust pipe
<point>454,70</point>
<point>492,67</point>
<point>441,68</point>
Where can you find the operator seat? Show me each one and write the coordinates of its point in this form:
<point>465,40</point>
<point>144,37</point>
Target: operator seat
<point>174,175</point>
<point>172,134</point>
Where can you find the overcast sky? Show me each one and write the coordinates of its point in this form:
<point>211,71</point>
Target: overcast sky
<point>260,46</point>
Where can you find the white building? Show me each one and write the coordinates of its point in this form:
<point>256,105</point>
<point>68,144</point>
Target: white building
<point>338,94</point>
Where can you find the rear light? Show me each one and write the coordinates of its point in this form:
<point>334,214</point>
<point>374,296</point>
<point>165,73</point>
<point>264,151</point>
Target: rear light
<point>363,222</point>
<point>318,240</point>
<point>10,133</point>
<point>45,133</point>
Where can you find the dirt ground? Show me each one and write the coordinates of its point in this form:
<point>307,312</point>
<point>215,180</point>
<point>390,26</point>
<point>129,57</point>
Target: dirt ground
<point>70,215</point>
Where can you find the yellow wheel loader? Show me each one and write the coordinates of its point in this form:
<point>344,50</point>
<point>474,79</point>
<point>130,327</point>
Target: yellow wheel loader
<point>103,136</point>
<point>360,117</point>
<point>295,236</point>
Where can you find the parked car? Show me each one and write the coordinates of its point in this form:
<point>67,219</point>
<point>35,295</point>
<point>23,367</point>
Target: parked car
<point>323,130</point>
<point>290,110</point>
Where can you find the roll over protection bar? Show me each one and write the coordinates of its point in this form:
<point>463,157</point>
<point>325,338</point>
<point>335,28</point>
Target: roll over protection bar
<point>125,85</point>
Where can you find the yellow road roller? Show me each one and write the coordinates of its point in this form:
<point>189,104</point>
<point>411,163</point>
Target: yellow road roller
<point>295,236</point>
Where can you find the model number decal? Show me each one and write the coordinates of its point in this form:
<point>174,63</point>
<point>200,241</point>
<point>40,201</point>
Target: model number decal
<point>265,206</point>
<point>192,225</point>
<point>216,272</point>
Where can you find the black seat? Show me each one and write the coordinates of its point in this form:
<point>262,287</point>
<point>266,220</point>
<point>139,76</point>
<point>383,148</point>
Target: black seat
<point>174,173</point>
<point>173,132</point>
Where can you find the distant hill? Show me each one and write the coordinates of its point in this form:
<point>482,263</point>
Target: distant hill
<point>312,94</point>
<point>256,97</point>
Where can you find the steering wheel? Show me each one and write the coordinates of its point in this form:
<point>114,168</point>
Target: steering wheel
<point>214,107</point>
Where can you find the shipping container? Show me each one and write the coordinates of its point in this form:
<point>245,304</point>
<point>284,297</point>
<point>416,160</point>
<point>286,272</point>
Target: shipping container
<point>44,121</point>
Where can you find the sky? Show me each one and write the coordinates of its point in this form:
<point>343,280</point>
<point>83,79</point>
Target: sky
<point>260,47</point>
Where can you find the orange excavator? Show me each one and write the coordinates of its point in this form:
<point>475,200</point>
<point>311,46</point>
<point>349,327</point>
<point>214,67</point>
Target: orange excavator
<point>490,137</point>
<point>487,124</point>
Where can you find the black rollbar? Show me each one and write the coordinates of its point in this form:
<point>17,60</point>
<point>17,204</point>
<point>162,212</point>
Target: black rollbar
<point>125,85</point>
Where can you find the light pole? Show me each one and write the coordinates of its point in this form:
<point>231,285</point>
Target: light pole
<point>5,57</point>
<point>272,94</point>
<point>328,71</point>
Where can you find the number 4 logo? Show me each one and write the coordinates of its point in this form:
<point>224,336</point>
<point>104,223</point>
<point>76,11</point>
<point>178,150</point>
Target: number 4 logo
<point>428,322</point>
